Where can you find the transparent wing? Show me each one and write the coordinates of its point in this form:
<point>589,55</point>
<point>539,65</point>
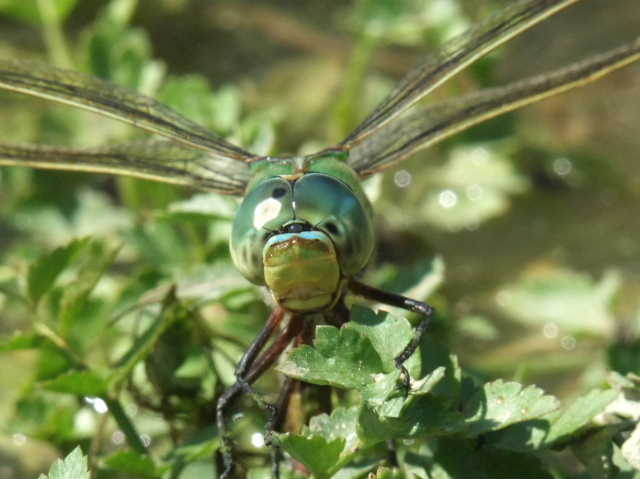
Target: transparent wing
<point>83,91</point>
<point>453,57</point>
<point>434,123</point>
<point>157,160</point>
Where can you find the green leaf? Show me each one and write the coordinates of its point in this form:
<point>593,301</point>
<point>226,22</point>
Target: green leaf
<point>172,310</point>
<point>74,319</point>
<point>453,457</point>
<point>431,356</point>
<point>631,448</point>
<point>318,454</point>
<point>192,96</point>
<point>52,361</point>
<point>327,443</point>
<point>206,205</point>
<point>619,461</point>
<point>409,22</point>
<point>340,358</point>
<point>74,466</point>
<point>578,414</point>
<point>84,383</point>
<point>29,11</point>
<point>624,355</point>
<point>499,404</point>
<point>555,427</point>
<point>387,333</point>
<point>20,340</point>
<point>422,415</point>
<point>571,301</point>
<point>44,272</point>
<point>473,186</point>
<point>362,355</point>
<point>132,464</point>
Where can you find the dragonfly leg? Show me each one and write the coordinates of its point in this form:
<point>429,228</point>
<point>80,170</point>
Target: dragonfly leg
<point>249,369</point>
<point>276,421</point>
<point>403,302</point>
<point>279,416</point>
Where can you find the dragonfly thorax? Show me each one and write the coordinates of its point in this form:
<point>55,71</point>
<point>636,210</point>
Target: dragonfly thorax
<point>302,235</point>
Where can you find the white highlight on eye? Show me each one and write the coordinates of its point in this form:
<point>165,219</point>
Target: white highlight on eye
<point>266,211</point>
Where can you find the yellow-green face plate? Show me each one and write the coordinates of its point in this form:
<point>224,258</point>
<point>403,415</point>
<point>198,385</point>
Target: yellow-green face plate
<point>302,271</point>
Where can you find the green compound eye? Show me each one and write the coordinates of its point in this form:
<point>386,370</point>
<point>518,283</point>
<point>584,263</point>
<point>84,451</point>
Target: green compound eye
<point>329,205</point>
<point>321,200</point>
<point>265,209</point>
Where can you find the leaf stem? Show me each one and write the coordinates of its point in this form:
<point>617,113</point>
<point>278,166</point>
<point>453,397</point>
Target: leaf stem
<point>126,426</point>
<point>53,36</point>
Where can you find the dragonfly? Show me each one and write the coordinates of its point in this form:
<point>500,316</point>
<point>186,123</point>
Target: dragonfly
<point>304,229</point>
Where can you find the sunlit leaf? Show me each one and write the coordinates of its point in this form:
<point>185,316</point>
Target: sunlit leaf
<point>84,383</point>
<point>499,404</point>
<point>327,443</point>
<point>556,426</point>
<point>73,466</point>
<point>570,301</point>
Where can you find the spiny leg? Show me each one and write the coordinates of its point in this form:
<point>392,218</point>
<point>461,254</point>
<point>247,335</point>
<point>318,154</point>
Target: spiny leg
<point>403,302</point>
<point>229,396</point>
<point>304,336</point>
<point>276,421</point>
<point>254,349</point>
<point>251,369</point>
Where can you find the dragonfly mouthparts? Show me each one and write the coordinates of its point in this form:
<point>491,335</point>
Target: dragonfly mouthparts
<point>296,227</point>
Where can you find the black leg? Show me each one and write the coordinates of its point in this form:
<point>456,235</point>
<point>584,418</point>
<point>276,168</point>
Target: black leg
<point>230,395</point>
<point>248,371</point>
<point>276,422</point>
<point>403,302</point>
<point>254,349</point>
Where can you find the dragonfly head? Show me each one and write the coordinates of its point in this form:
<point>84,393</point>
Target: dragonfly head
<point>302,235</point>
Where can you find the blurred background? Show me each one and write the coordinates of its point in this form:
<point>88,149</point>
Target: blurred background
<point>532,214</point>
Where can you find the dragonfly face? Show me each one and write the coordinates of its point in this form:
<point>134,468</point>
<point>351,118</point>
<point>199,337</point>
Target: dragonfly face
<point>304,226</point>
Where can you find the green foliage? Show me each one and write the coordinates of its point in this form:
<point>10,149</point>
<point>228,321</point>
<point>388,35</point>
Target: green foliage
<point>122,318</point>
<point>73,466</point>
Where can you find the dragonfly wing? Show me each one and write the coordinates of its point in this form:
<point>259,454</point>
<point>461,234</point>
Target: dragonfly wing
<point>423,128</point>
<point>453,57</point>
<point>157,160</point>
<point>83,91</point>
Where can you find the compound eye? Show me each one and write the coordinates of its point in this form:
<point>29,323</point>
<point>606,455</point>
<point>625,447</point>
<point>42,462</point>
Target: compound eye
<point>265,209</point>
<point>331,206</point>
<point>269,205</point>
